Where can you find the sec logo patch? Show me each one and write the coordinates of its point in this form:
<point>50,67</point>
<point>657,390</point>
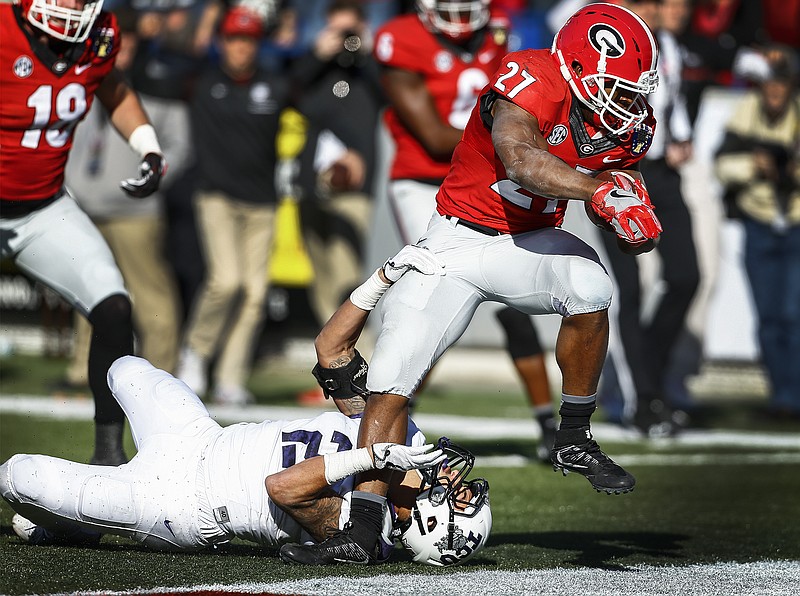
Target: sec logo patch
<point>558,135</point>
<point>23,67</point>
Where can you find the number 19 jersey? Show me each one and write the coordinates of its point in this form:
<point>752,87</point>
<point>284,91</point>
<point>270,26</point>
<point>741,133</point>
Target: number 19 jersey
<point>477,188</point>
<point>44,97</point>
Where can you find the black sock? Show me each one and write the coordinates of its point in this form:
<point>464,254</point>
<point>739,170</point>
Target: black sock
<point>366,513</point>
<point>576,415</point>
<point>546,420</point>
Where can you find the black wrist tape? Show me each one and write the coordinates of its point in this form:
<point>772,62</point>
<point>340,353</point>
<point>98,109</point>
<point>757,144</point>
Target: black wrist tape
<point>347,381</point>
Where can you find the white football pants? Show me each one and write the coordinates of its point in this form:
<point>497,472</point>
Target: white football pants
<point>158,498</point>
<point>546,271</point>
<point>61,247</point>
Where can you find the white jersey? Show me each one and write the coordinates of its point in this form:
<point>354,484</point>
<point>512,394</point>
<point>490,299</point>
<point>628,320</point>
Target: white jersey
<point>192,483</point>
<point>239,458</point>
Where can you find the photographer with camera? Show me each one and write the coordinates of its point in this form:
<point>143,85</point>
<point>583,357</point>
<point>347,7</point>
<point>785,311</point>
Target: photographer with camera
<point>758,163</point>
<point>336,88</point>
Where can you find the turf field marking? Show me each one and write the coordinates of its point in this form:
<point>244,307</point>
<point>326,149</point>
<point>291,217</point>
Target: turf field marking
<point>433,424</point>
<point>765,578</point>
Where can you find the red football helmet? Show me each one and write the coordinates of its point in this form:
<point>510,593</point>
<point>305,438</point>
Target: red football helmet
<point>455,19</point>
<point>608,56</point>
<point>68,24</point>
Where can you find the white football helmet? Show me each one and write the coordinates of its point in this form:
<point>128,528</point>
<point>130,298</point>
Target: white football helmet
<point>67,24</point>
<point>451,519</point>
<point>455,18</point>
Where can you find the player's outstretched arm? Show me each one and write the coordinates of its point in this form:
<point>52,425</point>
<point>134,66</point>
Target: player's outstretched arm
<point>338,337</point>
<point>340,369</point>
<point>304,489</point>
<point>129,118</point>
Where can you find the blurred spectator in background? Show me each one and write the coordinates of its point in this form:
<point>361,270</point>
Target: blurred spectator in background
<point>165,67</point>
<point>135,230</point>
<point>641,361</point>
<point>280,41</point>
<point>721,44</point>
<point>759,166</point>
<point>235,112</point>
<point>339,93</point>
<point>310,16</point>
<point>214,10</point>
<point>433,70</point>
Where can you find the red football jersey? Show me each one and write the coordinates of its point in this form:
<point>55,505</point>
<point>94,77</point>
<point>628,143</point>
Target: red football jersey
<point>477,188</point>
<point>454,79</point>
<point>44,98</point>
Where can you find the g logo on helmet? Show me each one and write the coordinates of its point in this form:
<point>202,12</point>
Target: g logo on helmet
<point>605,36</point>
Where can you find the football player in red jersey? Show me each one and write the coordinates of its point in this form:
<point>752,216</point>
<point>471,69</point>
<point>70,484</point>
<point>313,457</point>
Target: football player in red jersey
<point>56,56</point>
<point>435,64</point>
<point>544,124</point>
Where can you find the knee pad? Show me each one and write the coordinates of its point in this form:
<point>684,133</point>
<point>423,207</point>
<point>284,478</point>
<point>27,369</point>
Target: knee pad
<point>521,337</point>
<point>25,479</point>
<point>588,287</point>
<point>128,366</point>
<point>35,480</point>
<point>107,501</point>
<point>345,382</point>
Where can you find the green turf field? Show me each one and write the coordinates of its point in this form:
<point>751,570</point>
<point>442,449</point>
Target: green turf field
<point>695,502</point>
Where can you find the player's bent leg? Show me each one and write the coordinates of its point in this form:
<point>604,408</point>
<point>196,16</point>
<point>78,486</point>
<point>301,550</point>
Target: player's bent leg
<point>112,337</point>
<point>580,351</point>
<point>155,402</point>
<point>45,506</point>
<point>60,501</point>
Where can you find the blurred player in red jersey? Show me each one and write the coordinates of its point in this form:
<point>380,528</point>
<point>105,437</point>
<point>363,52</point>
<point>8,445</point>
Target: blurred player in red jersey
<point>546,121</point>
<point>56,56</point>
<point>434,66</point>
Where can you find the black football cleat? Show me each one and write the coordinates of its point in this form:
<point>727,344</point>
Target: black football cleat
<point>576,451</point>
<point>339,548</point>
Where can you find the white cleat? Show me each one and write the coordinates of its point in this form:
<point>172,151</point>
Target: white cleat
<point>40,536</point>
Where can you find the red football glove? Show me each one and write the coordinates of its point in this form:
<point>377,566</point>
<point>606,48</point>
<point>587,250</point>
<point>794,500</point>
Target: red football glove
<point>626,206</point>
<point>627,182</point>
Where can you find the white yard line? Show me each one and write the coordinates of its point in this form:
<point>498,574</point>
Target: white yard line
<point>432,424</point>
<point>767,578</point>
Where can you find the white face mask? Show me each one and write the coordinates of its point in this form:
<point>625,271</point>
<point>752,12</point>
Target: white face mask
<point>67,24</point>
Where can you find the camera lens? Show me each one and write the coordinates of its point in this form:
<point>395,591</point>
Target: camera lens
<point>352,41</point>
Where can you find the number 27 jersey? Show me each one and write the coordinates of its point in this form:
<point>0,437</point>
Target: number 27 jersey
<point>44,98</point>
<point>477,187</point>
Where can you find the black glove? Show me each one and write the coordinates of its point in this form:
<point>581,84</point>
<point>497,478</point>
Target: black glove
<point>151,169</point>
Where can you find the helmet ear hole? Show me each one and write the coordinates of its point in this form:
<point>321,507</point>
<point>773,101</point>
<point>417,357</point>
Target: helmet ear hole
<point>577,67</point>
